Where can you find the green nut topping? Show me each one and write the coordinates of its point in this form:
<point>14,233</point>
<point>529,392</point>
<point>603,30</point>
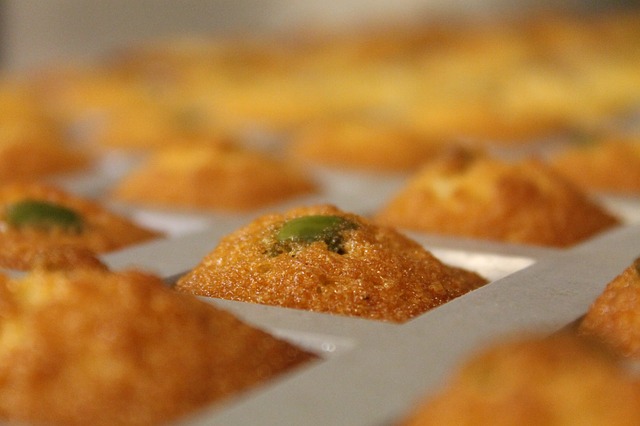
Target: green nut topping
<point>309,229</point>
<point>43,215</point>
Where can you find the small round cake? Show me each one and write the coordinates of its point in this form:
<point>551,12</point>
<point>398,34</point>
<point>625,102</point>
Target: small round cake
<point>614,317</point>
<point>477,196</point>
<point>322,259</point>
<point>604,164</point>
<point>32,144</point>
<point>213,179</point>
<point>560,380</point>
<point>120,348</point>
<point>366,144</point>
<point>47,226</point>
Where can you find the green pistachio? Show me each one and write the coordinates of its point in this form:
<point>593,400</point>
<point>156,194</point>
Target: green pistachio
<point>309,229</point>
<point>43,215</point>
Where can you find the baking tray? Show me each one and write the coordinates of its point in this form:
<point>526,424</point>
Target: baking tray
<point>373,372</point>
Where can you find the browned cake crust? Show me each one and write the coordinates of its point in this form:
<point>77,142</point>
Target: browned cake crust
<point>614,317</point>
<point>376,273</point>
<point>482,197</point>
<point>561,381</point>
<point>101,348</point>
<point>23,246</point>
<point>607,165</point>
<point>212,178</point>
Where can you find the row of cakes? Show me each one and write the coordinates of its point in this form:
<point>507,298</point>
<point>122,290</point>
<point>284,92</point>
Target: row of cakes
<point>299,238</point>
<point>500,81</point>
<point>127,326</point>
<point>317,258</point>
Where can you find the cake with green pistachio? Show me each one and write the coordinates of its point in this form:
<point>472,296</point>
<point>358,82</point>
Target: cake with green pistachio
<point>323,259</point>
<point>42,225</point>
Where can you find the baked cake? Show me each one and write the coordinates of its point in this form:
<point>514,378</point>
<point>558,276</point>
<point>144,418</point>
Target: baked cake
<point>475,195</point>
<point>45,225</point>
<point>368,144</point>
<point>559,380</point>
<point>32,145</point>
<point>613,317</point>
<point>604,164</point>
<point>322,259</point>
<point>120,348</point>
<point>212,178</point>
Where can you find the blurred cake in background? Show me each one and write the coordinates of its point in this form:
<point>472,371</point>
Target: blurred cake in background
<point>208,178</point>
<point>605,164</point>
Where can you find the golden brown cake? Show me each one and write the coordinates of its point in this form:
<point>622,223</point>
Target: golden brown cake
<point>607,164</point>
<point>44,225</point>
<point>368,144</point>
<point>323,259</point>
<point>561,380</point>
<point>212,178</point>
<point>105,348</point>
<point>474,195</point>
<point>32,145</point>
<point>614,317</point>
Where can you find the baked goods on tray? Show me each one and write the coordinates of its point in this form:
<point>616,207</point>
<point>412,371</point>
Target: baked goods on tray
<point>614,317</point>
<point>120,348</point>
<point>212,179</point>
<point>323,259</point>
<point>558,380</point>
<point>479,196</point>
<point>47,226</point>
